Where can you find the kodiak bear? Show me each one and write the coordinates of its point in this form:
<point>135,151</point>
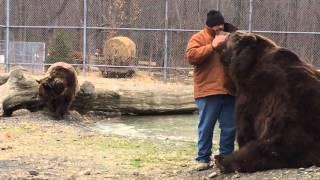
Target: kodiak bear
<point>277,106</point>
<point>58,89</point>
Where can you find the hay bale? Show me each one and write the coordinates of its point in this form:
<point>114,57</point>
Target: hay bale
<point>119,50</point>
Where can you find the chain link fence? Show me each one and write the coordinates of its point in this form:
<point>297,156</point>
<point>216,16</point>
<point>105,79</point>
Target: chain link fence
<point>292,24</point>
<point>117,38</point>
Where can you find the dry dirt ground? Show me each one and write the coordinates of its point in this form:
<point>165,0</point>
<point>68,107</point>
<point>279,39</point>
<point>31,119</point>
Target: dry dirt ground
<point>34,146</point>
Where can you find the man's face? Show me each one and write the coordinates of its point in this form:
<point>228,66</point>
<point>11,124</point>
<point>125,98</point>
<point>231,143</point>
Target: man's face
<point>216,29</point>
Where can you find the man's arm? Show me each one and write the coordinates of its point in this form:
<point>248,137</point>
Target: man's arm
<point>196,52</point>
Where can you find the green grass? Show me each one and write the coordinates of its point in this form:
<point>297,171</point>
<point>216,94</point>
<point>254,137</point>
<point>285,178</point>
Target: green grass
<point>119,152</point>
<point>138,153</point>
<point>136,163</point>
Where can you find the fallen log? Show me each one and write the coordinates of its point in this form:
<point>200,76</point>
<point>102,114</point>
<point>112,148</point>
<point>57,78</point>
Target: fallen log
<point>21,92</point>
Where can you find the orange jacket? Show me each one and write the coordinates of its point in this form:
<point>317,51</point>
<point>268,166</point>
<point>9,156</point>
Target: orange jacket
<point>208,71</point>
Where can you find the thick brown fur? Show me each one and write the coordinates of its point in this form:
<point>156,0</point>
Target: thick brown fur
<point>58,89</point>
<point>277,106</point>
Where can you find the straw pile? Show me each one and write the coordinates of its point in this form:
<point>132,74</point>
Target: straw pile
<point>119,50</point>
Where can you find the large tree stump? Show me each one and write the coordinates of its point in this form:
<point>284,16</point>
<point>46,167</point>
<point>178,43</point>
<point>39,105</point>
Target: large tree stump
<point>20,91</point>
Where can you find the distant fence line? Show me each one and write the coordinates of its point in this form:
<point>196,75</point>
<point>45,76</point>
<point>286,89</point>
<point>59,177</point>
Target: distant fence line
<point>160,29</point>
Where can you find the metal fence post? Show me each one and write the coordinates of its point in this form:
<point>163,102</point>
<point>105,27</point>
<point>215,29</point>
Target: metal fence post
<point>7,34</point>
<point>85,11</point>
<point>218,5</point>
<point>165,63</point>
<point>250,15</point>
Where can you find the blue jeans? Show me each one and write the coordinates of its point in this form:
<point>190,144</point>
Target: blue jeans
<point>211,109</point>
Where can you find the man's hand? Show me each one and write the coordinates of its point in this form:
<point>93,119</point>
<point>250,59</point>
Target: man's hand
<point>217,40</point>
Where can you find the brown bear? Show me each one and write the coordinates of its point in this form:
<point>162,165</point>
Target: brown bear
<point>58,89</point>
<point>277,106</point>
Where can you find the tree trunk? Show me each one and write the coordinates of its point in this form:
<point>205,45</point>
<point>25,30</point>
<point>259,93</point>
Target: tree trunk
<point>21,92</point>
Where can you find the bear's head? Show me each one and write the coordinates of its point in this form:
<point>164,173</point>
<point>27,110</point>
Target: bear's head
<point>241,51</point>
<point>51,87</point>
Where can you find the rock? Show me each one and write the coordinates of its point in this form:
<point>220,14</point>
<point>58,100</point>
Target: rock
<point>175,172</point>
<point>309,170</point>
<point>4,78</point>
<point>204,178</point>
<point>111,176</point>
<point>85,172</point>
<point>73,177</point>
<point>212,175</point>
<point>33,173</point>
<point>236,176</point>
<point>6,148</point>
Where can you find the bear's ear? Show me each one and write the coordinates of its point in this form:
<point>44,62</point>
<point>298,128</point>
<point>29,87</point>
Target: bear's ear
<point>229,28</point>
<point>38,81</point>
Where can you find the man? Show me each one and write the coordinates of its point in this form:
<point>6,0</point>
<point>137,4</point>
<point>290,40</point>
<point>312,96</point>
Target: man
<point>212,99</point>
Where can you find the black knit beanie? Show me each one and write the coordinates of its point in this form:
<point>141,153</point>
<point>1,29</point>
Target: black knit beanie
<point>214,18</point>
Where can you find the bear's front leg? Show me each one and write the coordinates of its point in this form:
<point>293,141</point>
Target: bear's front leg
<point>223,165</point>
<point>244,121</point>
<point>62,104</point>
<point>254,156</point>
<point>245,134</point>
<point>245,130</point>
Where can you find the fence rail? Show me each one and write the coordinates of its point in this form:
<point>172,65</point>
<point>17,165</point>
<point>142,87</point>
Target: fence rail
<point>77,31</point>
